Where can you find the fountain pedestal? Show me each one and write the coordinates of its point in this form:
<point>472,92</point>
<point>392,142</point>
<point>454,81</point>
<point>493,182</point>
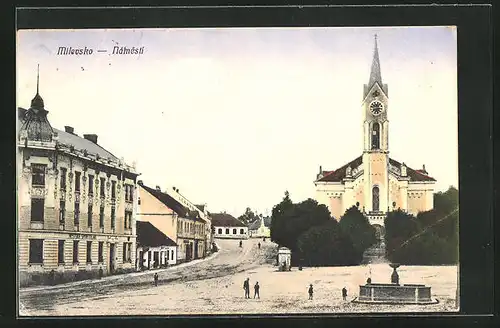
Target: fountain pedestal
<point>394,293</point>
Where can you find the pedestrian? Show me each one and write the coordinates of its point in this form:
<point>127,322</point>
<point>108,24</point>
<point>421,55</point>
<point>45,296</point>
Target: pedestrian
<point>246,287</point>
<point>258,245</point>
<point>241,243</point>
<point>256,290</point>
<point>368,281</point>
<point>311,291</point>
<point>344,293</point>
<point>156,279</point>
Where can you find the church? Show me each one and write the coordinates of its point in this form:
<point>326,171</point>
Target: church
<point>373,181</point>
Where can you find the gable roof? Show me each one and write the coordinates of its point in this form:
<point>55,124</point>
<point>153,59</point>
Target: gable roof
<point>256,223</point>
<point>149,235</point>
<point>225,220</point>
<point>167,200</point>
<point>339,174</point>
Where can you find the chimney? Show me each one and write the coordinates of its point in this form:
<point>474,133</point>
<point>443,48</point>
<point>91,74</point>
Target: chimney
<point>423,169</point>
<point>158,188</point>
<point>69,129</point>
<point>91,137</point>
<point>140,183</point>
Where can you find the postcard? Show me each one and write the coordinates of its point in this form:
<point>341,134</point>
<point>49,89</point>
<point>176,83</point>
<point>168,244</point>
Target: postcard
<point>230,171</point>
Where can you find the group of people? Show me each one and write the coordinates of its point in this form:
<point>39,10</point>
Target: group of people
<point>246,288</point>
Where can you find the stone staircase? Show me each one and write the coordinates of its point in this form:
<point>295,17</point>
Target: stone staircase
<point>375,254</point>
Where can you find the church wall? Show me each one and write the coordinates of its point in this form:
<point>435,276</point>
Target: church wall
<point>336,208</point>
<point>377,176</point>
<point>324,192</point>
<point>420,198</point>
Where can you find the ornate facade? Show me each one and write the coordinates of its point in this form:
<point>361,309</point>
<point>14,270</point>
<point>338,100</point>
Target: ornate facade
<point>76,203</point>
<point>375,182</point>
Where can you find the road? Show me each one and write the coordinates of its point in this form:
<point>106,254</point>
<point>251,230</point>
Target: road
<point>230,260</point>
<point>215,286</point>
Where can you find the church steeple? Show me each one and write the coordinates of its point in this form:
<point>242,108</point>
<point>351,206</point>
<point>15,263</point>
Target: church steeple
<point>37,101</point>
<point>375,75</point>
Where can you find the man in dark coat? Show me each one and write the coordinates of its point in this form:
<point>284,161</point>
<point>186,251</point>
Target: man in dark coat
<point>246,287</point>
<point>311,291</point>
<point>258,245</point>
<point>156,279</point>
<point>344,293</point>
<point>256,290</point>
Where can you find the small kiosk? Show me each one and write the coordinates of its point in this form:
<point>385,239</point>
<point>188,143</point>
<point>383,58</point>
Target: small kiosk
<point>284,259</point>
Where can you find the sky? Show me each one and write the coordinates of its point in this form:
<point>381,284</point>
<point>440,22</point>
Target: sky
<point>233,117</point>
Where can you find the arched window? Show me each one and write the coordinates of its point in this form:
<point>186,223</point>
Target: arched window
<point>242,231</point>
<point>227,231</point>
<point>376,136</point>
<point>234,231</point>
<point>220,231</point>
<point>375,195</point>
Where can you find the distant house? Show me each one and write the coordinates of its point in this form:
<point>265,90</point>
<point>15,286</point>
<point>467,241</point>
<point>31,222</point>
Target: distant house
<point>260,228</point>
<point>154,248</point>
<point>227,226</point>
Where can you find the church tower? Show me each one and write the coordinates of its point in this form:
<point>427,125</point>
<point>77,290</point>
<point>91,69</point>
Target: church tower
<point>375,140</point>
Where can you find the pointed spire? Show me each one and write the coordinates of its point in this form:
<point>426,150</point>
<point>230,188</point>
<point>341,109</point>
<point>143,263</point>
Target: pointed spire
<point>37,101</point>
<point>375,75</point>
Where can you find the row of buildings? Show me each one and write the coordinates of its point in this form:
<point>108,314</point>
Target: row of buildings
<point>83,212</point>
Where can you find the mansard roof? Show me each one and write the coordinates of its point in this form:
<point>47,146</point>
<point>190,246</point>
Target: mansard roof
<point>339,174</point>
<point>66,138</point>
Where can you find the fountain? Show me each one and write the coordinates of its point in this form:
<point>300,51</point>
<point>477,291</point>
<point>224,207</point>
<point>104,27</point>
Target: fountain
<point>394,293</point>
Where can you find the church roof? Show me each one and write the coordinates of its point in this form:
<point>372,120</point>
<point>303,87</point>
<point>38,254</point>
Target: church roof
<point>375,73</point>
<point>339,174</point>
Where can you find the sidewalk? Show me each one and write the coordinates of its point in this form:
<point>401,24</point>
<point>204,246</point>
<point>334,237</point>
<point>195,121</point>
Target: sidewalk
<point>120,277</point>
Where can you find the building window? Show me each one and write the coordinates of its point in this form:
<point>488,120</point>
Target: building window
<point>75,251</point>
<point>125,252</point>
<point>129,252</point>
<point>37,209</point>
<point>77,213</point>
<point>129,194</point>
<point>101,217</point>
<point>91,185</point>
<point>37,175</point>
<point>36,251</point>
<point>100,252</point>
<point>375,195</point>
<point>242,231</point>
<point>63,178</point>
<point>103,182</point>
<point>227,231</point>
<point>113,189</point>
<point>128,220</point>
<point>89,216</point>
<point>62,211</point>
<point>77,181</point>
<point>376,136</point>
<point>89,252</point>
<point>113,217</point>
<point>60,251</point>
<point>234,231</point>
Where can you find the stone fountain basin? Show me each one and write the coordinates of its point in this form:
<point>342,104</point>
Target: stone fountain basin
<point>395,294</point>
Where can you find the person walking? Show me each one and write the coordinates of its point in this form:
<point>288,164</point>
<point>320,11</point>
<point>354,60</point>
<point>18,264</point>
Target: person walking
<point>311,291</point>
<point>156,279</point>
<point>258,245</point>
<point>344,293</point>
<point>256,290</point>
<point>246,287</point>
<point>241,243</point>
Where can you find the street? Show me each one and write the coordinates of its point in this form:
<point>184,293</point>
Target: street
<point>214,286</point>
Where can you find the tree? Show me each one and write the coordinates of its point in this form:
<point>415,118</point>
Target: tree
<point>278,221</point>
<point>356,226</point>
<point>327,245</point>
<point>248,217</point>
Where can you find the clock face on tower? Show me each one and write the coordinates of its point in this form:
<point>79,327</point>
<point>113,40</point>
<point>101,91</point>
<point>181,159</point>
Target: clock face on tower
<point>376,107</point>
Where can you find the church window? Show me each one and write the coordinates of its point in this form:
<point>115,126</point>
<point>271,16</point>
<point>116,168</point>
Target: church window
<point>376,136</point>
<point>375,195</point>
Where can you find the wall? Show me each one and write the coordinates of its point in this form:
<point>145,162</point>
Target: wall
<point>231,235</point>
<point>420,197</point>
<point>158,214</point>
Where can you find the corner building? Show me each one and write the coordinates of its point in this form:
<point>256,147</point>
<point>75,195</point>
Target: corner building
<point>373,181</point>
<point>76,203</point>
